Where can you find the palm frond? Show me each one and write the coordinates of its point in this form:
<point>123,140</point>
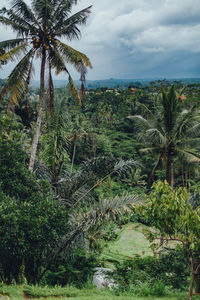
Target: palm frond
<point>140,121</point>
<point>170,107</point>
<point>73,90</point>
<point>193,127</point>
<point>149,149</point>
<point>184,121</point>
<point>21,8</point>
<point>17,22</point>
<point>14,53</point>
<point>10,44</point>
<point>19,28</point>
<point>106,210</point>
<point>93,173</point>
<point>57,62</point>
<point>72,56</point>
<point>102,166</point>
<point>44,12</point>
<point>155,136</point>
<point>98,214</point>
<point>68,27</point>
<point>79,60</point>
<point>16,82</point>
<point>151,119</point>
<point>189,141</point>
<point>63,7</point>
<point>189,155</point>
<point>122,167</point>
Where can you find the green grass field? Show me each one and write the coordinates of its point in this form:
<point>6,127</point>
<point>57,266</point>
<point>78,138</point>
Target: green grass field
<point>90,293</point>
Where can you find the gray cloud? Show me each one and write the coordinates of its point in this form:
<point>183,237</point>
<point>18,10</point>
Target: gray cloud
<point>132,38</point>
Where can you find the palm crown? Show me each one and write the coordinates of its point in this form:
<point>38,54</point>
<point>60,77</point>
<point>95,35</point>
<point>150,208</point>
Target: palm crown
<point>170,132</point>
<point>38,31</point>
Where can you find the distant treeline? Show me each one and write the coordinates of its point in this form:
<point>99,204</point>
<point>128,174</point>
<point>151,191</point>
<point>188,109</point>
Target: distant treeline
<point>118,83</point>
<point>121,83</point>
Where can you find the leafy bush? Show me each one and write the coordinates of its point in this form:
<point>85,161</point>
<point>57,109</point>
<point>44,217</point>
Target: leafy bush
<point>28,230</point>
<point>170,268</point>
<point>76,270</point>
<point>31,221</point>
<point>16,180</point>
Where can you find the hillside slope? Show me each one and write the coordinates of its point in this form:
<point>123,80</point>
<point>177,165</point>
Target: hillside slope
<point>131,241</point>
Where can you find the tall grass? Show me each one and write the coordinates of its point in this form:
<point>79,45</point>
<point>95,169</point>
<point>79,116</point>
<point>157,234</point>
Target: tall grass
<point>88,293</point>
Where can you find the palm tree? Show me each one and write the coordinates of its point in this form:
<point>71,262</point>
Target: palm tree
<point>170,132</point>
<point>75,192</point>
<point>39,29</point>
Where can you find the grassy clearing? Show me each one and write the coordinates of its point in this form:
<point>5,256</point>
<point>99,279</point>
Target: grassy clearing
<point>131,241</point>
<point>90,293</point>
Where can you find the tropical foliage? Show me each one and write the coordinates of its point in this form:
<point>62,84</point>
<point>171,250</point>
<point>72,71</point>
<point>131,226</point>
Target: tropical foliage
<point>173,214</point>
<point>94,165</point>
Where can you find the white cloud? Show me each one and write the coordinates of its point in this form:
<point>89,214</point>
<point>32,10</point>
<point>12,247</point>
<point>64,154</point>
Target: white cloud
<point>172,38</point>
<point>157,25</point>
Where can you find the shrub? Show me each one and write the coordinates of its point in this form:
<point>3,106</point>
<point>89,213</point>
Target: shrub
<point>170,268</point>
<point>31,221</point>
<point>149,289</point>
<point>76,270</point>
<point>16,180</point>
<point>27,233</point>
<point>158,289</point>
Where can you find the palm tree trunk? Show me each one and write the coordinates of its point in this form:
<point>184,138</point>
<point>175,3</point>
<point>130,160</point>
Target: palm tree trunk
<point>170,169</point>
<point>182,173</point>
<point>39,117</point>
<point>50,95</point>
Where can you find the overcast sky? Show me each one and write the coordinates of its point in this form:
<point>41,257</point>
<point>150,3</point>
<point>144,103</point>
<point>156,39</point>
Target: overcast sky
<point>138,38</point>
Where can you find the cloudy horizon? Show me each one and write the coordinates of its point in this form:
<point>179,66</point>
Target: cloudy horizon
<point>138,39</point>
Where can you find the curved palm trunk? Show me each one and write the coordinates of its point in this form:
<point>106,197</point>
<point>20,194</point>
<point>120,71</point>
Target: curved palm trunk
<point>39,117</point>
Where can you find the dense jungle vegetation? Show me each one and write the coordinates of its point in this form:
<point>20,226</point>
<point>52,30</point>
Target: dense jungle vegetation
<point>77,165</point>
<point>94,164</point>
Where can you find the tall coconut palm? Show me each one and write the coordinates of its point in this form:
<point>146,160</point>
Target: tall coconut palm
<point>39,28</point>
<point>170,132</point>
